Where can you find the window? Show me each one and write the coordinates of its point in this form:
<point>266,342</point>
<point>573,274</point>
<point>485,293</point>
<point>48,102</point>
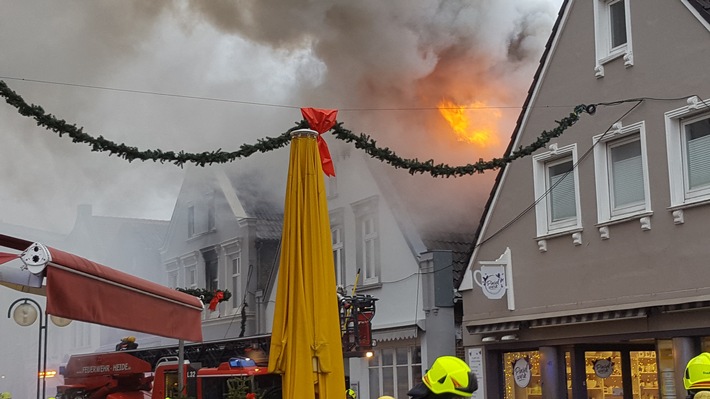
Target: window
<point>621,171</point>
<point>81,335</point>
<point>394,371</point>
<point>688,142</point>
<point>173,279</point>
<point>612,30</point>
<point>236,279</point>
<point>191,221</point>
<point>172,268</point>
<point>336,233</point>
<point>191,277</point>
<point>209,200</point>
<point>368,240</point>
<point>211,270</point>
<point>331,186</point>
<point>556,187</point>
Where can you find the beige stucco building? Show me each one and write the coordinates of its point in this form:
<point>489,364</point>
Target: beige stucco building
<point>589,276</point>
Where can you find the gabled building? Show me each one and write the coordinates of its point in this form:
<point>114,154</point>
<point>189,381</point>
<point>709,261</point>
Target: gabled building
<point>228,221</point>
<point>588,277</point>
<point>224,235</point>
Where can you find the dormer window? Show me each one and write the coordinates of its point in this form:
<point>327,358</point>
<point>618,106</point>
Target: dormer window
<point>612,31</point>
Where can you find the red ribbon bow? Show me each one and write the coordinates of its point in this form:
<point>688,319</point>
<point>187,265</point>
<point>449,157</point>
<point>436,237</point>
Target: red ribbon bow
<point>218,295</point>
<point>322,120</point>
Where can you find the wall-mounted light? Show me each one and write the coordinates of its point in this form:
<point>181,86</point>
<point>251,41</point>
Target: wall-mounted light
<point>369,354</point>
<point>489,339</point>
<point>509,337</point>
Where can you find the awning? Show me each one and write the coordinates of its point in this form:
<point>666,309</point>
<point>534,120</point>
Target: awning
<point>395,334</point>
<point>589,318</point>
<point>79,289</point>
<point>491,328</point>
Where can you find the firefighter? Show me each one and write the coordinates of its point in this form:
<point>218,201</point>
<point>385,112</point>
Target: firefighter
<point>696,379</point>
<point>127,343</point>
<point>350,394</point>
<point>448,378</point>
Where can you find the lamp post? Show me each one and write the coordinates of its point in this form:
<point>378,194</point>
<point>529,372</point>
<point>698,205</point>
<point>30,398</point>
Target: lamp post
<point>25,315</point>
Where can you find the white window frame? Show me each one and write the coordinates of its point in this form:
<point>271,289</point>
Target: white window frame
<point>541,164</point>
<point>211,212</point>
<point>602,36</point>
<point>603,145</point>
<point>232,251</point>
<point>367,211</point>
<point>414,371</point>
<point>173,269</point>
<point>216,281</point>
<point>331,186</point>
<point>191,228</point>
<point>337,234</point>
<point>236,271</point>
<point>191,276</point>
<point>675,120</point>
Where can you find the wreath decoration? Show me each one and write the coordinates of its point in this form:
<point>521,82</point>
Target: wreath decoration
<point>208,297</point>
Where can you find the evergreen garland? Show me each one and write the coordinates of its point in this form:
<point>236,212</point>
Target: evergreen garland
<point>362,141</point>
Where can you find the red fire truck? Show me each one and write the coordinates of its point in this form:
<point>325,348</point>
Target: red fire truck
<point>121,375</point>
<point>210,369</point>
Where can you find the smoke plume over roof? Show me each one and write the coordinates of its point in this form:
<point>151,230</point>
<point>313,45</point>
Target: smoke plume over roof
<point>246,67</point>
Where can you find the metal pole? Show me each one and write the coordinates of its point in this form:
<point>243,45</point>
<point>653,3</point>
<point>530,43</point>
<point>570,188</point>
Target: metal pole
<point>42,335</point>
<point>44,325</point>
<point>181,367</point>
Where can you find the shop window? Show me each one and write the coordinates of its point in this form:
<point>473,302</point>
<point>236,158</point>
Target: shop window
<point>557,190</point>
<point>621,172</point>
<point>522,375</point>
<point>644,374</point>
<point>688,144</point>
<point>603,374</point>
<point>612,33</point>
<point>394,371</point>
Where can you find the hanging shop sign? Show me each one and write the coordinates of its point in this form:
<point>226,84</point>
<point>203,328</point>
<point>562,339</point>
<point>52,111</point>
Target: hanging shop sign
<point>495,278</point>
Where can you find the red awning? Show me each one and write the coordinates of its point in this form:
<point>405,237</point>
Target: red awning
<point>80,289</point>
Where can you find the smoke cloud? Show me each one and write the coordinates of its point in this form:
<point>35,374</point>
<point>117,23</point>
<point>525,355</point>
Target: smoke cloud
<point>385,65</point>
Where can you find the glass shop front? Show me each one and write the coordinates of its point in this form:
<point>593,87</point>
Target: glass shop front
<point>594,372</point>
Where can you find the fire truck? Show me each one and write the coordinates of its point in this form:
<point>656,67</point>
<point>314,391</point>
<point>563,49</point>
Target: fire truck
<point>211,369</point>
<point>120,375</point>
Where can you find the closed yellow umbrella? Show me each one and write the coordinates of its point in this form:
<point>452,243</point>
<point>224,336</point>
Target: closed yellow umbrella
<point>305,341</point>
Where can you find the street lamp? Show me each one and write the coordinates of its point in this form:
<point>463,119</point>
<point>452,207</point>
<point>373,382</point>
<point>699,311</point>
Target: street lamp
<point>26,312</point>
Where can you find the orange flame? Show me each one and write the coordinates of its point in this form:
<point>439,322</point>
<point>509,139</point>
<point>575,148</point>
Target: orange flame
<point>473,123</point>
